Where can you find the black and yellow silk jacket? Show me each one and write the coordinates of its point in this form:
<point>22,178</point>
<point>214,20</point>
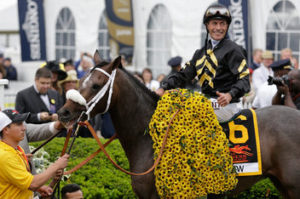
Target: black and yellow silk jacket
<point>222,69</point>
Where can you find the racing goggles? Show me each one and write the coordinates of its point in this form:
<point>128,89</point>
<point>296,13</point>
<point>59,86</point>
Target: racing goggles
<point>217,11</point>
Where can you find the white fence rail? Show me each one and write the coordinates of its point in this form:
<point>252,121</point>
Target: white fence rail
<point>3,82</point>
<point>9,100</point>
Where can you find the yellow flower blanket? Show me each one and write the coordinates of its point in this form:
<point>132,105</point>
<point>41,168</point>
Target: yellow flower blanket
<point>196,159</point>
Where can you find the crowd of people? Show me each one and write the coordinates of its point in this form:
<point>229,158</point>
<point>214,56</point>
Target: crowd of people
<point>264,70</point>
<point>7,69</point>
<point>219,70</point>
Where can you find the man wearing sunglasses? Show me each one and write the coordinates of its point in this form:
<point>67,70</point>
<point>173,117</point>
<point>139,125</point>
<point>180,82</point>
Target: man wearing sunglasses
<point>220,66</point>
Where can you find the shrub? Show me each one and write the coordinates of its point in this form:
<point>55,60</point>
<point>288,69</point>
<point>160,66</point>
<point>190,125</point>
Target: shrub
<point>262,189</point>
<point>100,179</point>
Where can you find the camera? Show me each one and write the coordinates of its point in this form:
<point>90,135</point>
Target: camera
<point>279,81</point>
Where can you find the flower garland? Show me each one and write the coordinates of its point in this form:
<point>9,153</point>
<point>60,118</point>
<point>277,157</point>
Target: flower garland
<point>196,159</point>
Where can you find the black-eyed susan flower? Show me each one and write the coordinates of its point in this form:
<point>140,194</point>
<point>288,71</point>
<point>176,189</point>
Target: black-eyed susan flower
<point>196,159</point>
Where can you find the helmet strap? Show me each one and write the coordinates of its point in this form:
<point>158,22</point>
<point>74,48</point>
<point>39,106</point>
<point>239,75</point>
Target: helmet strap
<point>206,41</point>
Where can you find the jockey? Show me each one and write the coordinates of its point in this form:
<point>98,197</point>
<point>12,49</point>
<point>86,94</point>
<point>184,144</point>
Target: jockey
<point>220,66</point>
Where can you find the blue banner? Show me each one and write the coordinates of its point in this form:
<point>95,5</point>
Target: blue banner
<point>238,31</point>
<point>32,30</point>
<point>120,27</point>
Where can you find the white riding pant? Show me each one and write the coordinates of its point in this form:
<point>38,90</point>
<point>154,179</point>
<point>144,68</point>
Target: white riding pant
<point>225,113</point>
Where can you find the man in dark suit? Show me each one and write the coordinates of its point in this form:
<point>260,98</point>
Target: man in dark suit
<point>41,101</point>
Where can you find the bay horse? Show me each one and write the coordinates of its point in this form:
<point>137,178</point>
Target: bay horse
<point>131,106</point>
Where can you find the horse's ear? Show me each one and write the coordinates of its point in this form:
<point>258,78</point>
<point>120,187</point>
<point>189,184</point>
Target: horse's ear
<point>116,63</point>
<point>97,58</point>
<point>121,65</point>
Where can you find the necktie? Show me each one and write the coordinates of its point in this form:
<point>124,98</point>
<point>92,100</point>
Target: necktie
<point>42,94</point>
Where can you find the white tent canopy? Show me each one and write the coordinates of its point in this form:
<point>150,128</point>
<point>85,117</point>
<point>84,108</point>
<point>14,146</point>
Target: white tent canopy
<point>9,16</point>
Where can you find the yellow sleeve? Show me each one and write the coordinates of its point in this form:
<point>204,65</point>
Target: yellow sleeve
<point>13,169</point>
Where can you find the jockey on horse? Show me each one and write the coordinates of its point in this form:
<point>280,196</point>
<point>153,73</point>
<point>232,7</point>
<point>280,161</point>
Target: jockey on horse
<point>220,66</point>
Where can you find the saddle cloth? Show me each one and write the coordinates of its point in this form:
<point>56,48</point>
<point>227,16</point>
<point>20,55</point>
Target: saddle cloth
<point>244,146</point>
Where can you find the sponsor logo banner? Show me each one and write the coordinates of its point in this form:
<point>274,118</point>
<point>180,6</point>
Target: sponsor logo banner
<point>238,31</point>
<point>120,26</point>
<point>32,30</point>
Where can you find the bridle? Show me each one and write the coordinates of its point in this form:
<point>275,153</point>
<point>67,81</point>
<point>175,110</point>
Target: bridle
<point>75,96</point>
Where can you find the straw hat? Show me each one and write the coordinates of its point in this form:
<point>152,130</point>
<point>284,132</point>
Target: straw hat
<point>71,76</point>
<point>267,55</point>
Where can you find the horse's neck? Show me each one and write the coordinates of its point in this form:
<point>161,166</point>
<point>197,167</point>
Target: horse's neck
<point>131,115</point>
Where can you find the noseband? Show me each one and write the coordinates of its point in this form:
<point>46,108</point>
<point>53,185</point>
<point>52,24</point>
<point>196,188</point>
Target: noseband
<point>75,96</point>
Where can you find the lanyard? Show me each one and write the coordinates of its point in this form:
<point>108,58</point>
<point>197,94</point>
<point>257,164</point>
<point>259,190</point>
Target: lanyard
<point>23,157</point>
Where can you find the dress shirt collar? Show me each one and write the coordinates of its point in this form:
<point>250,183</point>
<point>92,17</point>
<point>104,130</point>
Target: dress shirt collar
<point>214,43</point>
<point>36,90</point>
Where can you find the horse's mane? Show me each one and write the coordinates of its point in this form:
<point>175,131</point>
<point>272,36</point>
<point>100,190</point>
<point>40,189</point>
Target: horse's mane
<point>152,94</point>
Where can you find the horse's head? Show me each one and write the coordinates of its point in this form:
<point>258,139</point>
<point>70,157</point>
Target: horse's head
<point>95,93</point>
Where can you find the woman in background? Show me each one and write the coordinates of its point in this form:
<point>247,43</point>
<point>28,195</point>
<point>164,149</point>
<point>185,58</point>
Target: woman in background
<point>148,80</point>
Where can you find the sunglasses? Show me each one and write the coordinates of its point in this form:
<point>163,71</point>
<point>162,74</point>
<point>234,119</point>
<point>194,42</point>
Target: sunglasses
<point>214,11</point>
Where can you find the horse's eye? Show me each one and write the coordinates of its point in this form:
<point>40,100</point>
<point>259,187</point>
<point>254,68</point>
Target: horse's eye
<point>95,87</point>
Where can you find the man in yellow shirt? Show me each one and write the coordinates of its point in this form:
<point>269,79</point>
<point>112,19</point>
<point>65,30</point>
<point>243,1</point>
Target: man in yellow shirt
<point>16,181</point>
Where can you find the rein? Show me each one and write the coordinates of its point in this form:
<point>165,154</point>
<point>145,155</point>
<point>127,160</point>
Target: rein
<point>91,104</point>
<point>102,148</point>
<point>92,155</point>
<point>45,142</point>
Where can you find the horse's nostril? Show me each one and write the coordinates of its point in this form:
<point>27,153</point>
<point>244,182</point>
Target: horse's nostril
<point>66,112</point>
<point>63,112</point>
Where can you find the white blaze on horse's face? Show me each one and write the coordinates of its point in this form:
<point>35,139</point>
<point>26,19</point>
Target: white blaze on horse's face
<point>107,87</point>
<point>84,84</point>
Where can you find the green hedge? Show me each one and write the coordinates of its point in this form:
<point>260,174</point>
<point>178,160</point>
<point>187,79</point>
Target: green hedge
<point>262,189</point>
<point>100,179</point>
